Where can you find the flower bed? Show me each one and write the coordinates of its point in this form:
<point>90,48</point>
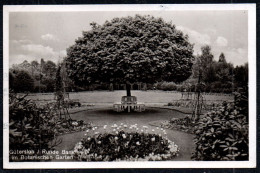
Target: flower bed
<point>125,143</point>
<point>70,126</point>
<point>183,124</point>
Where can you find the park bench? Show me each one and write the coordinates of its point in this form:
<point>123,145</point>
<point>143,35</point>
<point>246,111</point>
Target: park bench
<point>129,103</point>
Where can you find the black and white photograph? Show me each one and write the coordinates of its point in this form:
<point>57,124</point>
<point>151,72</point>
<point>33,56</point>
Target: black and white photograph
<point>130,86</point>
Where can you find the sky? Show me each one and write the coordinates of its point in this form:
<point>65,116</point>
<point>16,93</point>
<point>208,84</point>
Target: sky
<point>47,35</point>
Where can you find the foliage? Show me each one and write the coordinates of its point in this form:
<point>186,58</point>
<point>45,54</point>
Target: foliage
<point>48,84</point>
<point>241,75</point>
<point>203,64</point>
<point>59,88</point>
<point>42,76</point>
<point>22,82</point>
<point>11,80</point>
<point>222,58</point>
<point>31,128</point>
<point>168,86</point>
<point>130,49</point>
<point>124,145</point>
<point>223,134</point>
<point>185,124</point>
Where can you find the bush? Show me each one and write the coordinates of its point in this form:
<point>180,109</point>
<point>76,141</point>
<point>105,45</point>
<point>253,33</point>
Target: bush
<point>223,134</point>
<point>23,82</point>
<point>49,84</point>
<point>40,88</point>
<point>168,86</point>
<point>31,128</point>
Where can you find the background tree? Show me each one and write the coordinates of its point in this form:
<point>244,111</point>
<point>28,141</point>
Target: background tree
<point>130,49</point>
<point>50,68</point>
<point>222,58</point>
<point>241,75</point>
<point>205,64</point>
<point>23,82</point>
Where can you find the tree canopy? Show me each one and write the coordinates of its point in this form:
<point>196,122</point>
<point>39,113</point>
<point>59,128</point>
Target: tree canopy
<point>130,49</point>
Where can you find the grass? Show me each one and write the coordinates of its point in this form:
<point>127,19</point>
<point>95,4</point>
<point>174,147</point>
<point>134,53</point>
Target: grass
<point>108,97</point>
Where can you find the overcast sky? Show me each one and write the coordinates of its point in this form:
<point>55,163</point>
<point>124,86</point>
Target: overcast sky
<point>36,35</point>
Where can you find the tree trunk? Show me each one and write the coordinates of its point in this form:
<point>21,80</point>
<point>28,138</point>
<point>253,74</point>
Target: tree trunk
<point>128,90</point>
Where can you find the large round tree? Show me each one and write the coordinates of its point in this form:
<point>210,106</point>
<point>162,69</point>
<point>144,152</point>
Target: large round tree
<point>130,49</point>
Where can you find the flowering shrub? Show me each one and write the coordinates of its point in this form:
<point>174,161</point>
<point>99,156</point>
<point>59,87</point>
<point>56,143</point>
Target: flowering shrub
<point>223,134</point>
<point>122,144</point>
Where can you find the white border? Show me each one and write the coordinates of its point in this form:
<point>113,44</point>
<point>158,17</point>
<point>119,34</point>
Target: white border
<point>251,8</point>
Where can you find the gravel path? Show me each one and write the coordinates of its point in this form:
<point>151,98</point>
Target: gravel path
<point>102,116</point>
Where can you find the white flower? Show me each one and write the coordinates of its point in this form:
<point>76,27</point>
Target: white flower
<point>138,143</point>
<point>114,130</point>
<point>99,142</point>
<point>162,129</point>
<point>157,127</point>
<point>152,130</point>
<point>153,139</point>
<point>124,136</point>
<point>75,123</point>
<point>96,133</point>
<point>87,131</point>
<point>85,134</point>
<point>117,132</point>
<point>142,130</point>
<point>137,129</point>
<point>125,126</point>
<point>116,138</point>
<point>88,138</point>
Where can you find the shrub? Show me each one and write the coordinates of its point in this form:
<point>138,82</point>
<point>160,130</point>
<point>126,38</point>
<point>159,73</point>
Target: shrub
<point>40,88</point>
<point>49,84</point>
<point>168,86</point>
<point>31,128</point>
<point>23,82</point>
<point>223,133</point>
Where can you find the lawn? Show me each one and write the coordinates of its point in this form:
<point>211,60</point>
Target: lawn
<point>109,97</point>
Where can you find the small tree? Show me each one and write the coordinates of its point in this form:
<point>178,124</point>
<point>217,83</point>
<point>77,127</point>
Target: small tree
<point>60,95</point>
<point>130,49</point>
